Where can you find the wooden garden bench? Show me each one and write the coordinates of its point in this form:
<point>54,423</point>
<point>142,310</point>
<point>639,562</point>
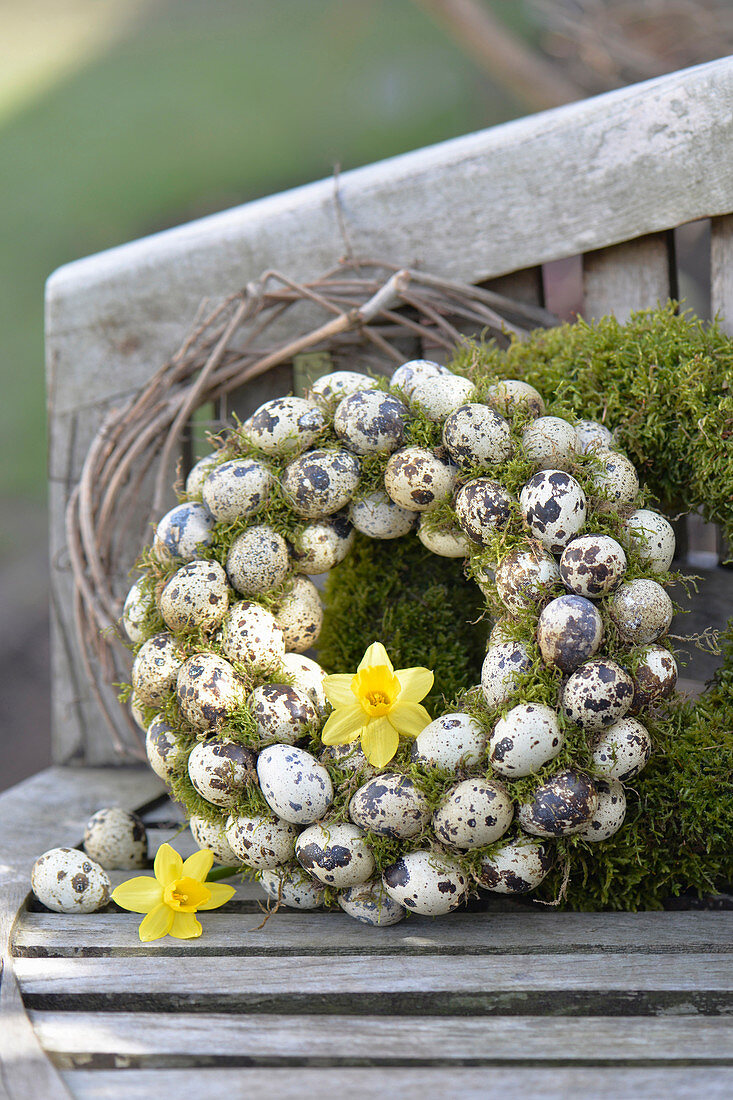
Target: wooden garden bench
<point>550,1004</point>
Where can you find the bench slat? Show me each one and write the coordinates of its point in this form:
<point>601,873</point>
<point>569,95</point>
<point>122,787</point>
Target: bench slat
<point>625,277</point>
<point>721,269</point>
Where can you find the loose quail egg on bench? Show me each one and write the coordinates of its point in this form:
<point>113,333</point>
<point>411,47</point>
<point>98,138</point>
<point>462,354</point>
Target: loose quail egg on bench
<point>66,880</point>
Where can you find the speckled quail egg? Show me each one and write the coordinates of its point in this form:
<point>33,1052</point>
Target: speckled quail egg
<point>511,396</point>
<point>137,713</point>
<point>473,813</point>
<point>450,740</point>
<point>182,531</point>
<point>250,634</point>
<point>621,751</point>
<point>426,883</point>
<point>283,713</point>
<point>295,786</point>
<point>439,397</point>
<point>208,690</point>
<point>220,770</point>
<point>592,566</point>
<point>197,596</point>
<point>378,517</point>
<point>406,377</point>
<point>560,807</point>
<point>259,841</point>
<point>292,886</point>
<point>549,442</point>
<point>237,488</point>
<point>502,668</point>
<point>516,867</point>
<point>336,853</point>
<point>284,424</point>
<point>418,479</point>
<point>308,676</point>
<point>641,610</point>
<point>524,739</point>
<point>591,436</point>
<point>300,615</point>
<point>349,758</point>
<point>616,481</point>
<point>371,422</point>
<point>211,835</point>
<point>68,881</point>
<point>446,542</point>
<point>654,677</point>
<point>155,668</point>
<point>475,435</point>
<point>116,839</point>
<point>323,544</point>
<point>502,632</point>
<point>320,483</point>
<point>338,384</point>
<point>164,747</point>
<point>257,560</point>
<point>525,577</point>
<point>597,694</point>
<point>391,805</point>
<point>371,904</point>
<point>138,603</point>
<point>554,507</point>
<point>569,630</point>
<point>198,474</point>
<point>610,811</point>
<point>482,507</point>
<point>652,536</point>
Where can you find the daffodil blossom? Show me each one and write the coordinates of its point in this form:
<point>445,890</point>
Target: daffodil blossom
<point>377,705</point>
<point>172,898</point>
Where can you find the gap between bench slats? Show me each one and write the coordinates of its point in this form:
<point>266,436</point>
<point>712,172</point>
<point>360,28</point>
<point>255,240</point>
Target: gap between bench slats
<point>409,1084</point>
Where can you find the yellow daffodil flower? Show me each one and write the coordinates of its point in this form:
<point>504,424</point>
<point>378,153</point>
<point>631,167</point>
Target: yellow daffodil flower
<point>377,705</point>
<point>172,898</point>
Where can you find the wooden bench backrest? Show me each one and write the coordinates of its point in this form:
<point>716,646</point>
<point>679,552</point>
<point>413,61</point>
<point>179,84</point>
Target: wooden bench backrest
<point>606,178</point>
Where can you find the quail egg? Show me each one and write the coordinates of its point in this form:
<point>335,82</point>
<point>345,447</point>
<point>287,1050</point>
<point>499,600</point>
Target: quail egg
<point>251,635</point>
<point>208,690</point>
<point>616,481</point>
<point>473,813</point>
<point>68,881</point>
<point>138,604</point>
<point>285,424</point>
<point>511,396</point>
<point>418,480</point>
<point>300,615</point>
<point>591,436</point>
<point>391,805</point>
<point>182,532</point>
<point>475,435</point>
<point>622,750</point>
<point>220,770</point>
<point>257,560</point>
<point>446,542</point>
<point>554,507</point>
<point>323,544</point>
<point>482,507</point>
<point>308,676</point>
<point>371,904</point>
<point>336,853</point>
<point>569,630</point>
<point>450,741</point>
<point>652,536</point>
<point>525,577</point>
<point>155,668</point>
<point>164,748</point>
<point>349,758</point>
<point>137,713</point>
<point>549,442</point>
<point>283,713</point>
<point>516,867</point>
<point>237,488</point>
<point>654,677</point>
<point>198,474</point>
<point>426,883</point>
<point>503,667</point>
<point>320,483</point>
<point>116,839</point>
<point>292,886</point>
<point>211,835</point>
<point>295,786</point>
<point>610,812</point>
<point>524,739</point>
<point>260,842</point>
<point>406,377</point>
<point>560,807</point>
<point>592,566</point>
<point>378,517</point>
<point>197,596</point>
<point>339,384</point>
<point>641,610</point>
<point>597,694</point>
<point>371,422</point>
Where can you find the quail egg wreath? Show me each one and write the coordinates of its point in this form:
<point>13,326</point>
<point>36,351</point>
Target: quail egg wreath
<point>344,789</point>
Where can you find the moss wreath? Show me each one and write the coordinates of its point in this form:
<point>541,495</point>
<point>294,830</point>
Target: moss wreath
<point>251,519</point>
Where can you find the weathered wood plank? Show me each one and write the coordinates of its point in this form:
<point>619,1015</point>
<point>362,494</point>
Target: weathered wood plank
<point>626,277</point>
<point>333,933</point>
<point>553,1083</point>
<point>721,270</point>
<point>146,1039</point>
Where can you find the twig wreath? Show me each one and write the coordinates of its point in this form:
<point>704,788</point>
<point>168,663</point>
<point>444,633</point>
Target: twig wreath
<point>307,782</point>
